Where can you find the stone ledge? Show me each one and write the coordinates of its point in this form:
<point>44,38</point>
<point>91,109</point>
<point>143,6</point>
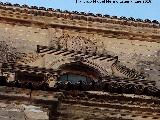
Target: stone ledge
<point>12,93</point>
<point>34,97</point>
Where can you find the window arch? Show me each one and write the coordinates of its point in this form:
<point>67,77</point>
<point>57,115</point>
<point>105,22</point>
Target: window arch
<point>75,72</point>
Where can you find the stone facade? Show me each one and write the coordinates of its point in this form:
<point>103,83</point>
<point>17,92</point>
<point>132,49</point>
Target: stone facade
<point>46,41</point>
<point>136,46</point>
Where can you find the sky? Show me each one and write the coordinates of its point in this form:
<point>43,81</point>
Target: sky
<point>136,10</point>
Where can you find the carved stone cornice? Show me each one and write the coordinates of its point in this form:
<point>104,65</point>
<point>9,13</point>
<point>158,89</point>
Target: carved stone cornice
<point>74,16</point>
<point>107,27</point>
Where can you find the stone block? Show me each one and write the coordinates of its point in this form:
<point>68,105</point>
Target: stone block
<point>36,114</point>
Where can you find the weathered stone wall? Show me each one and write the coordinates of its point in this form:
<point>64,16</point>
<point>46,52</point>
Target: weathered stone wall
<point>15,111</point>
<point>26,104</point>
<point>141,55</point>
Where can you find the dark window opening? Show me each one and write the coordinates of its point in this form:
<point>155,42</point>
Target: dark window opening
<point>74,78</point>
<point>24,76</point>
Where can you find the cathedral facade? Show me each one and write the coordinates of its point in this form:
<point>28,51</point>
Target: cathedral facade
<point>54,50</point>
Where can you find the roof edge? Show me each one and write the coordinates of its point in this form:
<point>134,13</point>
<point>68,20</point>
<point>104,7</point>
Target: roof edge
<point>101,18</point>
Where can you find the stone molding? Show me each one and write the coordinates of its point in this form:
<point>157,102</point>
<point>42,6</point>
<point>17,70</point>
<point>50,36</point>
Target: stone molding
<point>108,27</point>
<point>79,16</point>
